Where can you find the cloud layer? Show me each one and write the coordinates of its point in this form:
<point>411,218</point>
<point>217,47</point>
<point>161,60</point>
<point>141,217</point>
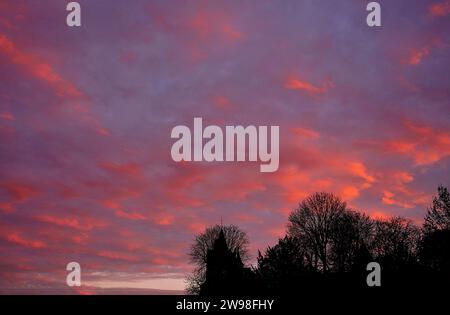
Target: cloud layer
<point>86,114</point>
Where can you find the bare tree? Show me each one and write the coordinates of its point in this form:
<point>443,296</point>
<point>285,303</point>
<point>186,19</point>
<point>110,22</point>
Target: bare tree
<point>312,223</point>
<point>351,231</point>
<point>236,239</point>
<point>395,242</point>
<point>194,280</point>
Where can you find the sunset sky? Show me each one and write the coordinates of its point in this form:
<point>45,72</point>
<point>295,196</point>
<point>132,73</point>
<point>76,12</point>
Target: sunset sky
<point>86,114</point>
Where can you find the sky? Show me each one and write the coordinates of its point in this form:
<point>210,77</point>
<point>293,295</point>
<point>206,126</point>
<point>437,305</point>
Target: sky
<point>86,114</point>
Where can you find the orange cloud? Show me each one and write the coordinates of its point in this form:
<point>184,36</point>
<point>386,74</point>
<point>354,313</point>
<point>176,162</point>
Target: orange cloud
<point>80,239</point>
<point>112,204</point>
<point>297,184</point>
<point>20,192</point>
<point>72,222</point>
<point>416,55</point>
<point>231,32</point>
<point>400,146</point>
<point>45,72</point>
<point>12,12</point>
<point>294,83</point>
<point>163,219</point>
<point>359,169</point>
<point>305,133</point>
<point>423,144</point>
<point>7,207</point>
<point>396,191</point>
<point>349,192</point>
<point>83,291</point>
<point>67,222</point>
<point>222,102</point>
<point>127,233</point>
<point>6,116</point>
<point>177,187</point>
<point>119,212</point>
<point>380,215</point>
<point>389,198</point>
<point>196,227</point>
<point>340,174</point>
<point>205,28</point>
<point>130,215</point>
<point>206,23</point>
<point>439,9</point>
<point>352,191</point>
<point>37,68</point>
<point>19,240</point>
<point>403,177</point>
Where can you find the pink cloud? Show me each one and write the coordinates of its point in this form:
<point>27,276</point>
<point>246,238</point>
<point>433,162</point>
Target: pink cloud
<point>37,68</point>
<point>305,133</point>
<point>295,83</point>
<point>84,224</point>
<point>130,215</point>
<point>20,192</point>
<point>424,144</point>
<point>416,55</point>
<point>6,116</point>
<point>16,238</point>
<point>439,9</point>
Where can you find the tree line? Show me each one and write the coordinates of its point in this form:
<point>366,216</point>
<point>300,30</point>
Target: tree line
<point>327,245</point>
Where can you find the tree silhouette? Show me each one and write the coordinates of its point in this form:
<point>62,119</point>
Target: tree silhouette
<point>435,245</point>
<point>438,215</point>
<point>327,246</point>
<point>281,265</point>
<point>395,243</point>
<point>435,250</point>
<point>349,232</point>
<point>313,222</point>
<point>236,241</point>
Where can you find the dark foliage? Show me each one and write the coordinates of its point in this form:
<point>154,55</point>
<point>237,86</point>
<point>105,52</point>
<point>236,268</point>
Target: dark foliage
<point>236,241</point>
<point>328,247</point>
